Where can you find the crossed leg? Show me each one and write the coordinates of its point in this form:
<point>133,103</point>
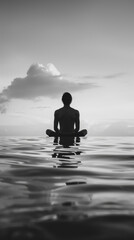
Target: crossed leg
<point>52,133</point>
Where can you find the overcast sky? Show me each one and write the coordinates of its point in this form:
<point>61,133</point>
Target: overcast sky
<point>48,47</point>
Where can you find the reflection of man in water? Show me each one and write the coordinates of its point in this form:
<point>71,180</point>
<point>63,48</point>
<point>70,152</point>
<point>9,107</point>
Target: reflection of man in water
<point>66,122</point>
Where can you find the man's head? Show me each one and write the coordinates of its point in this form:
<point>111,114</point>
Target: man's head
<point>66,99</point>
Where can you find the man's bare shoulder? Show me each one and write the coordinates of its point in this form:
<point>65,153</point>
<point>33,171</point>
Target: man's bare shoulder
<point>63,109</point>
<point>75,111</point>
<point>58,110</point>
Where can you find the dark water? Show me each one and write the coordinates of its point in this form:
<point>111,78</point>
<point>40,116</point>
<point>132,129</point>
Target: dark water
<point>83,192</point>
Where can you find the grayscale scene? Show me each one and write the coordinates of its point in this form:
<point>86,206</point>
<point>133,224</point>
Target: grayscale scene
<point>67,119</point>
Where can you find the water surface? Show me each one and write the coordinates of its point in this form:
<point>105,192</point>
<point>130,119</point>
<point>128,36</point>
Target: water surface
<point>81,192</point>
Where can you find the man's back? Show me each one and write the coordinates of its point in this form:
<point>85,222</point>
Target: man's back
<point>69,123</point>
<point>67,118</point>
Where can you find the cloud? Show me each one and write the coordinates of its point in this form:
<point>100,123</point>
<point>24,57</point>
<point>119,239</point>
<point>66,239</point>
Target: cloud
<point>3,103</point>
<point>114,75</point>
<point>40,81</point>
<point>110,76</point>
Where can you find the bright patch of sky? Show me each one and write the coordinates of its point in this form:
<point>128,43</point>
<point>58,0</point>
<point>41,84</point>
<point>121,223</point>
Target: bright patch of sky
<point>85,47</point>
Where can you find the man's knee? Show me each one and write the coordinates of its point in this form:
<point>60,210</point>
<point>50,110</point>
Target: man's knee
<point>49,132</point>
<point>82,133</point>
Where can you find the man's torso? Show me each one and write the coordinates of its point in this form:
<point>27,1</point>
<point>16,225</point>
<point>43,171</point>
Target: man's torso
<point>66,117</point>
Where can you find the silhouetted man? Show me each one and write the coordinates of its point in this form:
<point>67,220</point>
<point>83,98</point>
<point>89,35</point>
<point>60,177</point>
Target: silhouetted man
<point>66,123</point>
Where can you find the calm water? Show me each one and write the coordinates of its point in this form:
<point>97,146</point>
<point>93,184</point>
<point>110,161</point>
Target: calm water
<point>82,192</point>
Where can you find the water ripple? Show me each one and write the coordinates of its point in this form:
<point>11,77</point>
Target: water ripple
<point>46,190</point>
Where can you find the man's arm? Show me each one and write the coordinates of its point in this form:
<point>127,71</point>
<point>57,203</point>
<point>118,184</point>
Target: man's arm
<point>77,122</point>
<point>56,123</point>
